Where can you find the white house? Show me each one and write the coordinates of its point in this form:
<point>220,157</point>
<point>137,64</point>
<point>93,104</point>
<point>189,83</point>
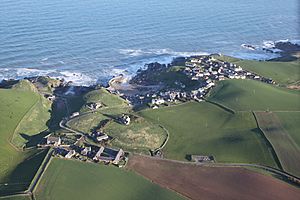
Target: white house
<point>55,141</point>
<point>70,154</point>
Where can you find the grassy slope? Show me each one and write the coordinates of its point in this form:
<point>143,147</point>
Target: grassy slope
<point>105,98</point>
<point>254,95</point>
<point>281,72</point>
<point>202,128</point>
<point>290,122</point>
<point>14,105</point>
<point>66,179</point>
<point>286,149</point>
<point>33,122</point>
<point>140,135</point>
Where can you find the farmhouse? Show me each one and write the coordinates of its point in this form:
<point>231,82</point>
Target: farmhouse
<point>86,151</point>
<point>118,156</point>
<point>70,154</point>
<point>125,119</point>
<point>100,136</point>
<point>108,155</point>
<point>75,114</point>
<point>97,157</point>
<point>50,97</point>
<point>202,159</point>
<point>94,105</point>
<point>52,140</point>
<point>158,101</point>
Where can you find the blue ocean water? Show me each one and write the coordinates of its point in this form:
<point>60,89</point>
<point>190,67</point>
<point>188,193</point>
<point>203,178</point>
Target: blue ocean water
<point>91,40</point>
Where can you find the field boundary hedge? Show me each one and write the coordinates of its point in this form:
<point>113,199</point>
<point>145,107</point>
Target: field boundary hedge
<point>221,106</point>
<point>268,143</point>
<point>40,172</point>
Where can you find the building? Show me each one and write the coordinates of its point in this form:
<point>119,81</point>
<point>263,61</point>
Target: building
<point>97,157</point>
<point>125,119</point>
<point>94,106</point>
<point>75,114</point>
<point>70,154</point>
<point>102,137</point>
<point>118,157</point>
<point>86,150</point>
<point>52,140</point>
<point>158,101</point>
<point>201,158</point>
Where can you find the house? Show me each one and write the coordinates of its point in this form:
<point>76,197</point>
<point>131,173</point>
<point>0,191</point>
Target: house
<point>201,158</point>
<point>52,140</point>
<point>158,101</point>
<point>194,60</point>
<point>154,107</point>
<point>70,154</point>
<point>125,119</point>
<point>86,150</point>
<point>118,157</point>
<point>97,157</point>
<point>75,114</point>
<point>50,97</point>
<point>238,69</point>
<point>102,137</point>
<point>94,106</point>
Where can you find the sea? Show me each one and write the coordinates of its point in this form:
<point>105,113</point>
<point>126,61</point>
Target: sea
<point>90,41</point>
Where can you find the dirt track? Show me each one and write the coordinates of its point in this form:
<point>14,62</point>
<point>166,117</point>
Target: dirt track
<point>212,183</point>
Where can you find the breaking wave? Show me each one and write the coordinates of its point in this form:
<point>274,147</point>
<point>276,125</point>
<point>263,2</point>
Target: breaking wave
<point>19,73</point>
<point>149,52</point>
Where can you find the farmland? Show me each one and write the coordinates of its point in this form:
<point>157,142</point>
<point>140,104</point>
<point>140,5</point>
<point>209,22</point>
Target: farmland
<point>199,182</point>
<point>290,122</point>
<point>66,179</point>
<point>103,96</point>
<point>205,129</point>
<point>285,147</point>
<point>284,73</point>
<point>139,136</point>
<point>15,104</point>
<point>245,95</point>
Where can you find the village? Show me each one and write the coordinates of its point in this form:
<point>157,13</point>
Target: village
<point>203,71</point>
<point>85,147</point>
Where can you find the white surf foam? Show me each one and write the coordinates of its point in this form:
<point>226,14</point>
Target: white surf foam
<point>149,52</point>
<point>18,73</point>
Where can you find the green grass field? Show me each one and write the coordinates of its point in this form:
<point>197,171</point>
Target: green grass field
<point>286,148</point>
<point>17,167</point>
<point>104,97</point>
<point>245,95</point>
<point>290,122</point>
<point>205,129</point>
<point>285,73</point>
<point>67,179</point>
<point>139,136</point>
<point>34,122</point>
<point>89,121</point>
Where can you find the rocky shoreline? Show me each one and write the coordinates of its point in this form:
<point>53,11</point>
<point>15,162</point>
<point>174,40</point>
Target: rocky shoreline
<point>154,76</point>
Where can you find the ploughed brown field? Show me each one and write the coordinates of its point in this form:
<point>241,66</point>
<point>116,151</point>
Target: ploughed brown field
<point>212,183</point>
